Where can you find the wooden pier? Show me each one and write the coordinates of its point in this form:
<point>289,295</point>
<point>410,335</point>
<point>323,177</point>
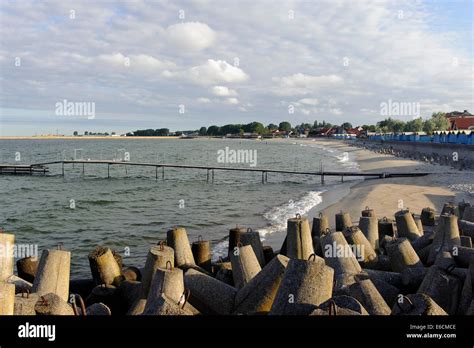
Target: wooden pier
<point>16,169</point>
<point>211,169</point>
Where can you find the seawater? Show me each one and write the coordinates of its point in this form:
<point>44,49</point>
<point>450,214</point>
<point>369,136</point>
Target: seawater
<point>132,210</point>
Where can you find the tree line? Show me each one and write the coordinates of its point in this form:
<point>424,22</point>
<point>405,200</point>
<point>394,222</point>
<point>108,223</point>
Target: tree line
<point>437,122</point>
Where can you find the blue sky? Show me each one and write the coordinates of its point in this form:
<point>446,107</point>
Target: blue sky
<point>229,62</point>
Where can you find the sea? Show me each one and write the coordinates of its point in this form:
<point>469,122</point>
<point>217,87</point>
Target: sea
<point>133,209</point>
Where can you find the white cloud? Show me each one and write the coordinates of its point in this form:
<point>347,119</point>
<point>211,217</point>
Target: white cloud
<point>299,61</point>
<point>190,36</point>
<point>232,101</point>
<point>203,100</point>
<point>141,62</point>
<point>213,71</point>
<point>300,83</point>
<point>308,101</point>
<point>335,111</point>
<point>222,91</point>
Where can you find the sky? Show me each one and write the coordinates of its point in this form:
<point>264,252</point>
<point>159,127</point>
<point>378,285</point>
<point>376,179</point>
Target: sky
<point>185,64</point>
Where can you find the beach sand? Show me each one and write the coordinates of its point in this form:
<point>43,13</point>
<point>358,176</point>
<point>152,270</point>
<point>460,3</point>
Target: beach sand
<point>383,195</point>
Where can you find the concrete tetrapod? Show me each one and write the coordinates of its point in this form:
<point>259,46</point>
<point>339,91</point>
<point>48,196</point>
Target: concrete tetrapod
<point>52,304</point>
<point>367,212</point>
<point>53,274</point>
<point>366,293</point>
<point>268,253</point>
<point>305,284</point>
<point>167,281</point>
<point>7,243</point>
<point>245,265</point>
<point>98,309</point>
<point>343,221</point>
<point>466,241</point>
<point>463,255</point>
<point>131,273</point>
<point>468,214</point>
<point>253,239</point>
<point>417,304</point>
<point>234,238</point>
<point>202,253</point>
<point>108,295</point>
<point>362,247</point>
<point>341,305</point>
<point>7,298</point>
<point>449,208</point>
<point>209,295</point>
<point>404,259</point>
<point>257,296</point>
<point>157,257</point>
<point>446,236</point>
<point>299,244</point>
<point>320,225</point>
<point>443,287</point>
<point>177,238</point>
<point>406,225</point>
<point>466,227</point>
<point>25,304</point>
<point>338,254</point>
<point>385,227</point>
<point>163,305</point>
<point>462,207</point>
<point>369,227</point>
<point>129,292</point>
<point>428,217</point>
<point>104,267</point>
<point>392,278</point>
<point>27,268</point>
<point>419,225</point>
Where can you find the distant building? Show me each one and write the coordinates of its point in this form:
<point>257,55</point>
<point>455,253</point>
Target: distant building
<point>460,120</point>
<point>462,123</point>
<point>452,114</point>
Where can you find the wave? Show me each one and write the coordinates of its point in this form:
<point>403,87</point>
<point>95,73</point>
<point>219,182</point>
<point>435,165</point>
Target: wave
<point>277,219</point>
<point>278,216</point>
<point>344,157</point>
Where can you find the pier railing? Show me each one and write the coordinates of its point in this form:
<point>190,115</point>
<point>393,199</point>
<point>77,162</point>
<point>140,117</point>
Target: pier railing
<point>42,168</point>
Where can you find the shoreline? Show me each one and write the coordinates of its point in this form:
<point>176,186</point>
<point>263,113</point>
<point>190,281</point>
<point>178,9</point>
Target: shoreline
<point>383,195</point>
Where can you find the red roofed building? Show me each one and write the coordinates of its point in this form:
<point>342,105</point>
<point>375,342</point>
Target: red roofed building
<point>460,123</point>
<point>460,120</point>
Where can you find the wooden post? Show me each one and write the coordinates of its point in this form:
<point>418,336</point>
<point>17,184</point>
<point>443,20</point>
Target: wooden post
<point>156,172</point>
<point>83,165</point>
<point>213,175</point>
<point>207,178</point>
<point>63,168</point>
<point>163,173</point>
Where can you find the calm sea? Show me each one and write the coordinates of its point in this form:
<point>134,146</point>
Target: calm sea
<point>132,210</point>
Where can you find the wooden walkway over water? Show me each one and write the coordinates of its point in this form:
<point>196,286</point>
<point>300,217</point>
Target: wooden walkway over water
<point>42,168</point>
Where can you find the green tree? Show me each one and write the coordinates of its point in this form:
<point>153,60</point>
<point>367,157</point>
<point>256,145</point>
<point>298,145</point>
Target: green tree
<point>272,127</point>
<point>440,121</point>
<point>202,131</point>
<point>75,133</point>
<point>346,125</point>
<point>284,126</point>
<point>415,125</point>
<point>213,130</point>
<point>429,126</point>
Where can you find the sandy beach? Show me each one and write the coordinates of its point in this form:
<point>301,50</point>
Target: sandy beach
<point>383,195</point>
